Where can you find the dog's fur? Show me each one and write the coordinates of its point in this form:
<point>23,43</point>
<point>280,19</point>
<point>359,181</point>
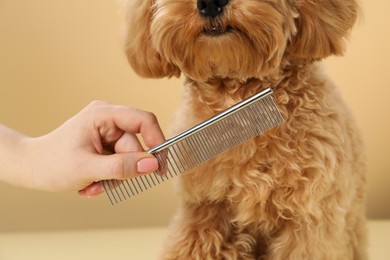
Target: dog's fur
<point>296,192</point>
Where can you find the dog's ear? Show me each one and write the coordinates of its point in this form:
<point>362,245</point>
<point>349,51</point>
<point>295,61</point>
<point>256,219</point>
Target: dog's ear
<point>143,58</point>
<point>322,27</point>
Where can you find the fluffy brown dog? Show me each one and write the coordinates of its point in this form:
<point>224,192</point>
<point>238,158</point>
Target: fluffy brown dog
<point>298,191</point>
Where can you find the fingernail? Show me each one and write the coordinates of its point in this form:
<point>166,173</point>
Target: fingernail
<point>147,165</point>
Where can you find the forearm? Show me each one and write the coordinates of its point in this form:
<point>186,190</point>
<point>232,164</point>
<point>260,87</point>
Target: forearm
<point>12,156</point>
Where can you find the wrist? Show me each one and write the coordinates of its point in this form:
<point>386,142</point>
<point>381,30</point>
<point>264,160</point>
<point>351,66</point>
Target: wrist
<point>27,150</point>
<point>12,156</point>
<point>33,171</point>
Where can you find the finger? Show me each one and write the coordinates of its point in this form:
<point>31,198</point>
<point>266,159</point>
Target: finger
<point>128,143</point>
<point>137,121</point>
<point>92,190</point>
<point>122,165</point>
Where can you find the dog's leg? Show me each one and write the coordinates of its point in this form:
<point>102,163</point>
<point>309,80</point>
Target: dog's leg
<point>317,240</point>
<point>203,231</point>
<point>357,229</point>
<point>359,243</point>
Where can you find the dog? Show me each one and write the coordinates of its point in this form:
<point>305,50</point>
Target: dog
<point>298,191</point>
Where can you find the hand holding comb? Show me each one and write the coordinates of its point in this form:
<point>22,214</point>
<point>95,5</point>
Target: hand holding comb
<point>222,132</point>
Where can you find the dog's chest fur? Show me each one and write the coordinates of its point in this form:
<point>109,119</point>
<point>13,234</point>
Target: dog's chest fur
<point>275,175</point>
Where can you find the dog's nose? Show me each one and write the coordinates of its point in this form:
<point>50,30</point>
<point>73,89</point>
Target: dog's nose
<point>211,8</point>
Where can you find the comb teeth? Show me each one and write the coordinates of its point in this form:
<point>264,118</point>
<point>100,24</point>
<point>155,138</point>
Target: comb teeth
<point>249,118</point>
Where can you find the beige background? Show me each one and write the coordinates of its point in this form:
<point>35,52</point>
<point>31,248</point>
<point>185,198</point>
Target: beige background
<point>57,56</point>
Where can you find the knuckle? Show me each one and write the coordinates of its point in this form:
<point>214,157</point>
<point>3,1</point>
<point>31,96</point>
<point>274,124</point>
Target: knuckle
<point>97,103</point>
<point>118,168</point>
<point>152,118</point>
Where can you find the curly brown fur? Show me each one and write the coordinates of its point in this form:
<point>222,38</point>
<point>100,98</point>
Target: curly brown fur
<point>298,191</point>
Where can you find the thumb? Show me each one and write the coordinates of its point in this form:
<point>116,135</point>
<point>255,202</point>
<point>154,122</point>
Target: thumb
<point>124,165</point>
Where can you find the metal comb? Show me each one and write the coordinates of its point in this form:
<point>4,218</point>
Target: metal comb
<point>243,121</point>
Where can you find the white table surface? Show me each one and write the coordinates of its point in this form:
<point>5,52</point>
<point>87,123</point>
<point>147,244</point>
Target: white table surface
<point>126,244</point>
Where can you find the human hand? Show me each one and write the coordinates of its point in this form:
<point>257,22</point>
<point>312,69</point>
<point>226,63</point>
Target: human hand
<point>98,143</point>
